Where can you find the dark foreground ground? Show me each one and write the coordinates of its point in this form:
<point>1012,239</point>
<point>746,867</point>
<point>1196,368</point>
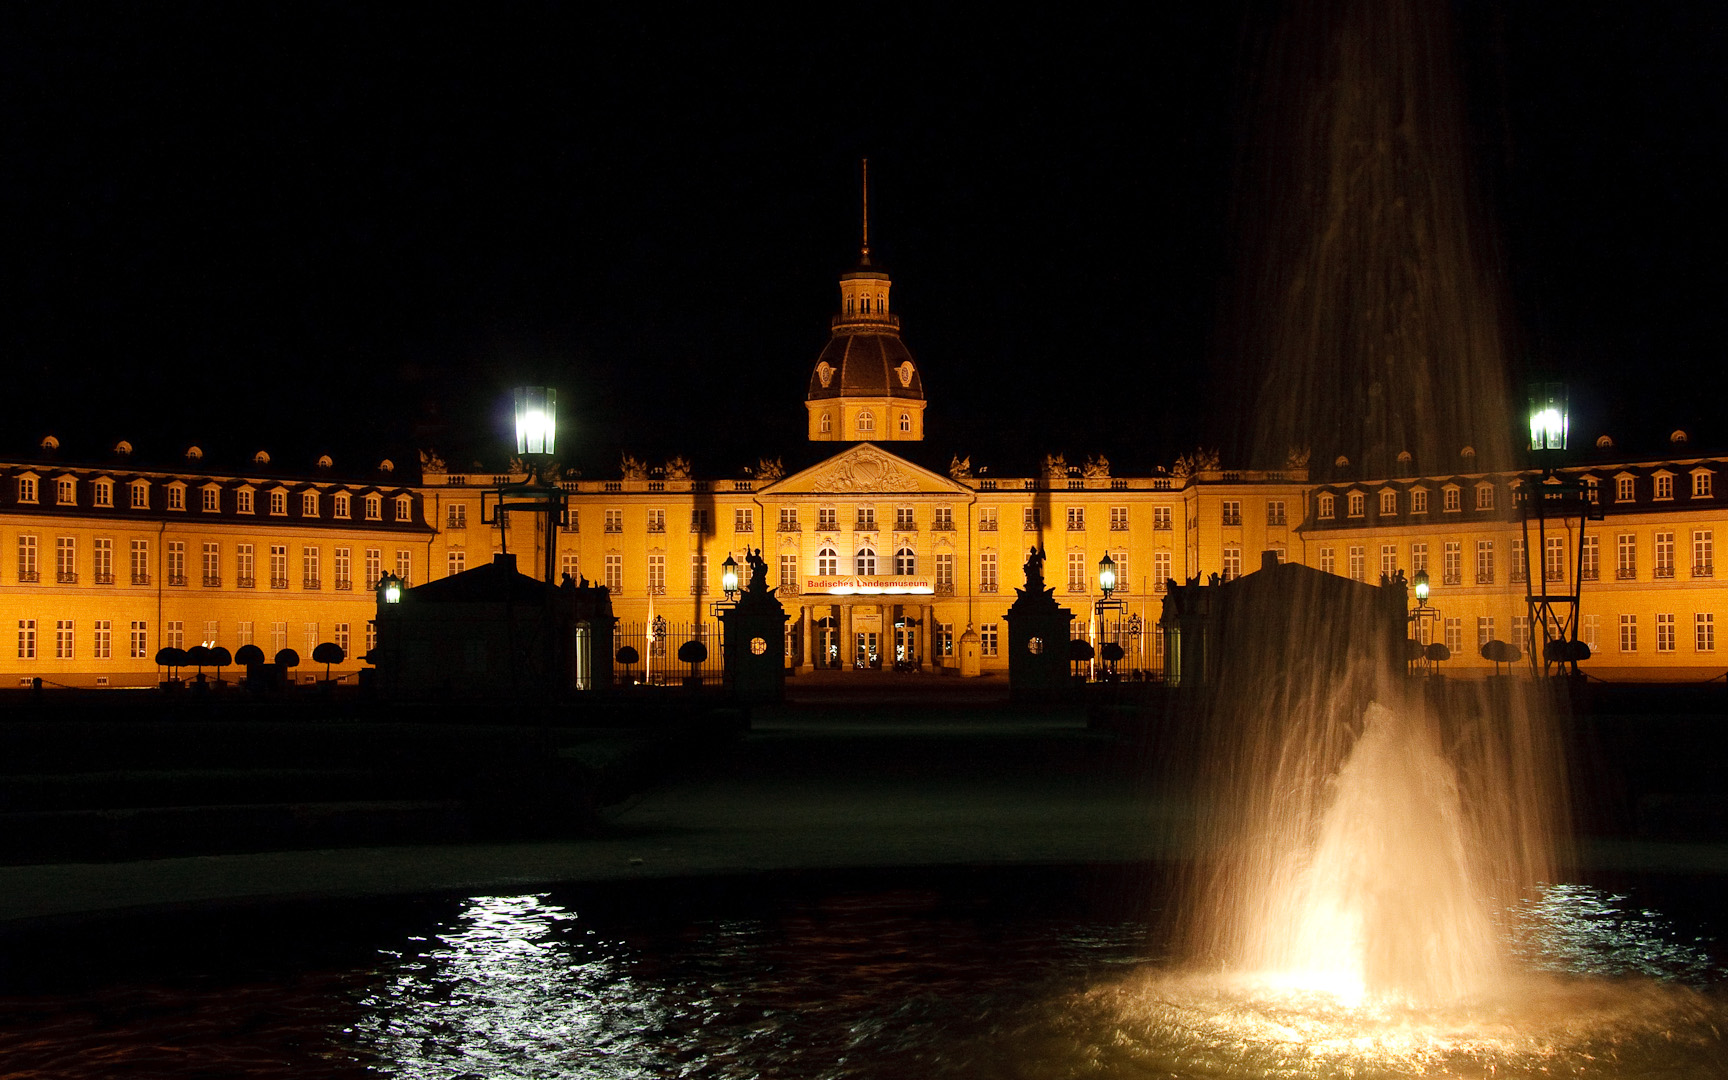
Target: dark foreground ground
<point>907,771</point>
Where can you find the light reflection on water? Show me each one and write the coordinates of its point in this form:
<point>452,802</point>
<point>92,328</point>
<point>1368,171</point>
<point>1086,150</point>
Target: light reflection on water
<point>872,983</point>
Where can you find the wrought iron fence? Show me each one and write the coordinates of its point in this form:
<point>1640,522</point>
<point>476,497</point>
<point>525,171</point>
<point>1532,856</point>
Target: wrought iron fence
<point>657,660</point>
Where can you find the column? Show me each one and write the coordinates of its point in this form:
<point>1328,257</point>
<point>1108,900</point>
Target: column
<point>927,627</point>
<point>807,614</point>
<point>846,643</point>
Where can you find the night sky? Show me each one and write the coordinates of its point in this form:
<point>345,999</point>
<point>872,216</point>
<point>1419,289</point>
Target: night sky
<point>349,229</point>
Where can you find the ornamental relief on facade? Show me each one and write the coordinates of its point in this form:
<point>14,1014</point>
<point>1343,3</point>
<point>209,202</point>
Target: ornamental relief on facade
<point>825,373</point>
<point>866,471</point>
<point>904,371</point>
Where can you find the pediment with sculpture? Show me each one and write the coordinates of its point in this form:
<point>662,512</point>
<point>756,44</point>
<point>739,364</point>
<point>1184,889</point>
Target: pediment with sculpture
<point>866,469</point>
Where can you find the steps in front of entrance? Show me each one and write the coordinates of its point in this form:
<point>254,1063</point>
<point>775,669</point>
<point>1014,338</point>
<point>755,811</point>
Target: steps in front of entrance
<point>830,688</point>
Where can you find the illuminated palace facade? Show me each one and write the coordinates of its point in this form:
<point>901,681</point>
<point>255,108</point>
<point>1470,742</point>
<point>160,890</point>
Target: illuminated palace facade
<point>876,557</point>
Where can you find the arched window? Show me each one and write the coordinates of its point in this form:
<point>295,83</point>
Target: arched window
<point>866,422</point>
<point>825,424</point>
<point>866,305</point>
<point>865,563</point>
<point>905,563</point>
<point>906,421</point>
<point>850,305</point>
<point>827,562</point>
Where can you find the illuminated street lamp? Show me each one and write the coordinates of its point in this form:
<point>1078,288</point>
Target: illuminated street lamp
<point>1107,575</point>
<point>729,578</point>
<point>536,421</point>
<point>1421,583</point>
<point>1549,418</point>
<point>390,589</point>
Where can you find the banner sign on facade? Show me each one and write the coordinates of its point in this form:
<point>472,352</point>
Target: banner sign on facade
<point>865,586</point>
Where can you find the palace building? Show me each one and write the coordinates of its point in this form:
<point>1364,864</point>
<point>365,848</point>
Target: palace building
<point>880,555</point>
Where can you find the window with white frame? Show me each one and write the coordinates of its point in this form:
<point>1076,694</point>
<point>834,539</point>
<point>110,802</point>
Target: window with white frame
<point>343,565</point>
<point>102,493</point>
<point>212,565</point>
<point>176,562</point>
<point>1484,496</point>
<point>987,572</point>
<point>404,507</point>
<point>904,518</point>
<point>374,568</point>
<point>1452,563</point>
<point>1590,559</point>
<point>66,560</point>
<point>1118,519</point>
<point>568,565</point>
<point>138,640</point>
<point>340,503</point>
<point>1160,572</point>
<point>278,566</point>
<point>1665,632</point>
<point>789,569</point>
<point>1328,560</point>
<point>1275,512</point>
<point>1358,562</point>
<point>140,562</point>
<point>176,496</point>
<point>698,573</point>
<point>312,638</point>
<point>212,500</point>
<point>339,635</point>
<point>278,638</point>
<point>1388,502</point>
<point>1484,562</point>
<point>1554,558</point>
<point>905,422</point>
<point>1484,630</point>
<point>1592,630</point>
<point>699,522</point>
<point>1664,549</point>
<point>788,519</point>
<point>1076,571</point>
<point>1388,560</point>
<point>1626,556</point>
<point>827,562</point>
<point>866,422</point>
<point>102,639</point>
<point>1628,633</point>
<point>374,505</point>
<point>456,561</point>
<point>1358,504</point>
<point>311,575</point>
<point>66,491</point>
<point>1325,506</point>
<point>1450,500</point>
<point>1664,485</point>
<point>140,495</point>
<point>656,574</point>
<point>1232,568</point>
<point>63,639</point>
<point>102,560</point>
<point>1704,632</point>
<point>243,632</point>
<point>987,639</point>
<point>1418,557</point>
<point>865,518</point>
<point>1120,558</point>
<point>278,503</point>
<point>905,563</point>
<point>1703,553</point>
<point>864,563</point>
<point>1518,564</point>
<point>456,516</point>
<point>743,519</point>
<point>1031,518</point>
<point>1231,513</point>
<point>405,564</point>
<point>615,573</point>
<point>26,639</point>
<point>1702,484</point>
<point>174,634</point>
<point>1623,489</point>
<point>210,628</point>
<point>945,569</point>
<point>243,501</point>
<point>1419,500</point>
<point>26,489</point>
<point>827,518</point>
<point>1160,519</point>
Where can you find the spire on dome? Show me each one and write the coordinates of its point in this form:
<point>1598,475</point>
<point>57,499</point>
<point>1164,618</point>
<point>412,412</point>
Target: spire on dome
<point>864,254</point>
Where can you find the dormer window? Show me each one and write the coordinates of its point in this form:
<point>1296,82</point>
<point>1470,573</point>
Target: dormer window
<point>243,501</point>
<point>1623,491</point>
<point>102,493</point>
<point>1701,484</point>
<point>309,504</point>
<point>1450,500</point>
<point>66,491</point>
<point>374,508</point>
<point>1325,506</point>
<point>212,499</point>
<point>404,507</point>
<point>1664,482</point>
<point>1358,504</point>
<point>1418,500</point>
<point>279,503</point>
<point>176,496</point>
<point>340,503</point>
<point>26,489</point>
<point>1484,496</point>
<point>140,494</point>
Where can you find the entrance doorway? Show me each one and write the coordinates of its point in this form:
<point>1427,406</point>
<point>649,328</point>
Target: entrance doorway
<point>868,654</point>
<point>905,645</point>
<point>827,643</point>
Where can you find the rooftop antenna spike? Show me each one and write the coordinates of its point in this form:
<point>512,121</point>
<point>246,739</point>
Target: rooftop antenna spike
<point>866,252</point>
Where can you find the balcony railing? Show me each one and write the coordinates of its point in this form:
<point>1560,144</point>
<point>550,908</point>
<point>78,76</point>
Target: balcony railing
<point>1029,525</point>
<point>1552,574</point>
<point>1453,579</point>
<point>212,581</point>
<point>278,582</point>
<point>656,590</point>
<point>1485,579</point>
<point>1160,525</point>
<point>344,584</point>
<point>28,576</point>
<point>944,588</point>
<point>986,526</point>
<point>788,588</point>
<point>986,586</point>
<point>1662,573</point>
<point>1077,587</point>
<point>66,577</point>
<point>743,527</point>
<point>1590,574</point>
<point>942,525</point>
<point>1626,573</point>
<point>310,583</point>
<point>102,579</point>
<point>1118,526</point>
<point>1516,577</point>
<point>905,526</point>
<point>247,582</point>
<point>653,527</point>
<point>789,527</point>
<point>177,580</point>
<point>1232,519</point>
<point>140,579</point>
<point>1704,570</point>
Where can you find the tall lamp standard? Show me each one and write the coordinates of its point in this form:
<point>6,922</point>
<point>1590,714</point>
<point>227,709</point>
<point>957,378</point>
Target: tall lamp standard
<point>536,416</point>
<point>1422,619</point>
<point>1106,590</point>
<point>1552,501</point>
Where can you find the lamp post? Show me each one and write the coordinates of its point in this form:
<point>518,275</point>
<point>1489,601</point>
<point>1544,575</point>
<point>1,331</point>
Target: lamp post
<point>1422,617</point>
<point>729,578</point>
<point>1106,588</point>
<point>1552,502</point>
<point>536,420</point>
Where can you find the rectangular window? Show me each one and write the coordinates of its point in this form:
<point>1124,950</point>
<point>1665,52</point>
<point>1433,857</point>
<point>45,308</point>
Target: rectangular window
<point>1328,560</point>
<point>102,641</point>
<point>1701,485</point>
<point>243,632</point>
<point>1419,501</point>
<point>1076,572</point>
<point>140,562</point>
<point>456,561</point>
<point>341,502</point>
<point>1325,506</point>
<point>698,573</point>
<point>789,519</point>
<point>456,516</point>
<point>309,504</point>
<point>404,508</point>
<point>243,501</point>
<point>1628,633</point>
<point>1076,519</point>
<point>789,572</point>
<point>1232,563</point>
<point>987,572</point>
<point>371,636</point>
<point>138,643</point>
<point>278,639</point>
<point>1485,497</point>
<point>1664,567</point>
<point>656,574</point>
<point>571,522</point>
<point>1454,634</point>
<point>1521,631</point>
<point>104,493</point>
<point>344,568</point>
<point>615,573</point>
<point>1161,519</point>
<point>568,565</point>
<point>1626,557</point>
<point>1451,502</point>
<point>1590,559</point>
<point>26,489</point>
<point>27,571</point>
<point>1484,562</point>
<point>1232,512</point>
<point>1388,560</point>
<point>310,575</point>
<point>374,568</point>
<point>66,491</point>
<point>212,500</point>
<point>339,635</point>
<point>1275,512</point>
<point>1160,572</point>
<point>176,497</point>
<point>210,630</point>
<point>312,639</point>
<point>1120,558</point>
<point>278,566</point>
<point>743,520</point>
<point>212,565</point>
<point>1418,557</point>
<point>1704,632</point>
<point>987,639</point>
<point>1592,630</point>
<point>374,508</point>
<point>1623,491</point>
<point>1664,490</point>
<point>174,636</point>
<point>1358,504</point>
<point>1358,562</point>
<point>1703,553</point>
<point>63,639</point>
<point>1665,632</point>
<point>176,562</point>
<point>1118,519</point>
<point>945,570</point>
<point>904,518</point>
<point>1518,564</point>
<point>1484,630</point>
<point>278,503</point>
<point>405,564</point>
<point>66,560</point>
<point>140,495</point>
<point>945,639</point>
<point>866,518</point>
<point>827,518</point>
<point>699,521</point>
<point>1554,558</point>
<point>1031,517</point>
<point>1452,563</point>
<point>1388,503</point>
